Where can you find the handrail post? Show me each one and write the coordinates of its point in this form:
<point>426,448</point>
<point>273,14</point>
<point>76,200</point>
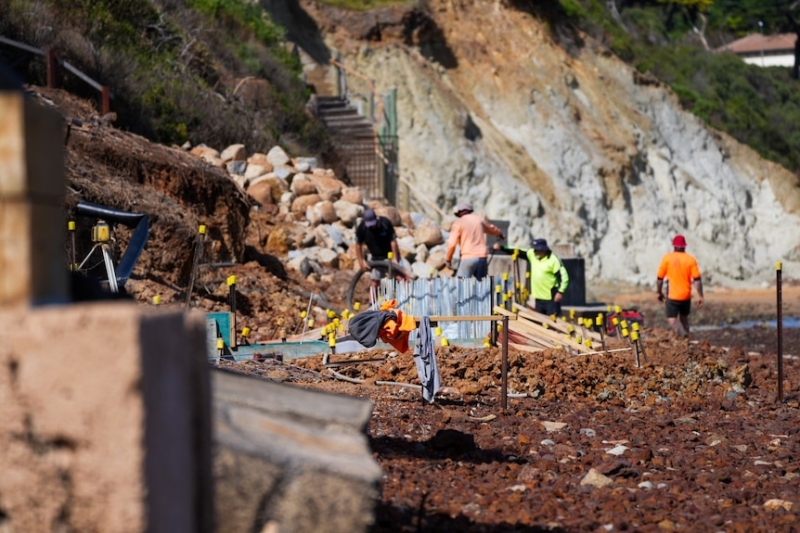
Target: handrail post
<point>105,102</point>
<point>51,58</point>
<point>372,101</point>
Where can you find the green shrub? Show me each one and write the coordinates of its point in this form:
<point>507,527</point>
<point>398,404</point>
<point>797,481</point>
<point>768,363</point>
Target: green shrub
<point>366,5</point>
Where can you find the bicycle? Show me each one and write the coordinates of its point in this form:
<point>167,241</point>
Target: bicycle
<point>359,289</point>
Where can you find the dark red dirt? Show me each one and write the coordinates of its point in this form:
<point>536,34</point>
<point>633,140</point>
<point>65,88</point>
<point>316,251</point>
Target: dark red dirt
<point>700,420</point>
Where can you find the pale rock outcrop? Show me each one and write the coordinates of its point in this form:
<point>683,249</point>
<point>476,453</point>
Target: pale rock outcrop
<point>327,258</point>
<point>287,198</point>
<point>305,239</point>
<point>242,181</point>
<point>299,263</point>
<point>407,219</point>
<point>323,239</point>
<point>308,163</point>
<point>277,185</point>
<point>205,152</point>
<point>336,235</point>
<point>585,155</point>
<point>236,168</point>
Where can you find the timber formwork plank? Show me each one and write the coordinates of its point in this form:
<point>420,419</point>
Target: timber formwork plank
<point>541,334</point>
<point>558,325</point>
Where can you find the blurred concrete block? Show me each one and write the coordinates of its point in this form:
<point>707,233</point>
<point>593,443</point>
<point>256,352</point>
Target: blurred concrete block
<point>32,225</point>
<point>104,420</point>
<point>296,457</point>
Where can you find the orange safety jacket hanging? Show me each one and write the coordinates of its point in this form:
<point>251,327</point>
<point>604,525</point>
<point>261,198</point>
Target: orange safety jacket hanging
<point>395,332</point>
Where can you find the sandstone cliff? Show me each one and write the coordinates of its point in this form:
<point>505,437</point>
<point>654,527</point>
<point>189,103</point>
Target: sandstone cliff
<point>568,144</point>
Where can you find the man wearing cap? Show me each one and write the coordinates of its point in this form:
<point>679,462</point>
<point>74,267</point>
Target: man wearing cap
<point>549,278</point>
<point>681,272</point>
<point>379,236</point>
<point>468,233</point>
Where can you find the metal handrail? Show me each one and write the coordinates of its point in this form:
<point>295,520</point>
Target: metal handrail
<point>103,89</point>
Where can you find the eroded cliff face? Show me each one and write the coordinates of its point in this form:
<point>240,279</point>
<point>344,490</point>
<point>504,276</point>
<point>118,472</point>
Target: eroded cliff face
<point>573,146</point>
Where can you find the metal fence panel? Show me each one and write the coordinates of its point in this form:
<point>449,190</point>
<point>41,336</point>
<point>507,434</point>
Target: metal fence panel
<point>444,296</point>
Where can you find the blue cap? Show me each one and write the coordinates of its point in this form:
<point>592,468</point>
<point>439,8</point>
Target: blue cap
<point>370,219</point>
<point>540,245</point>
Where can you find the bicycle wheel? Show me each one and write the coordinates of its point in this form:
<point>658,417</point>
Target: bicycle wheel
<point>359,290</point>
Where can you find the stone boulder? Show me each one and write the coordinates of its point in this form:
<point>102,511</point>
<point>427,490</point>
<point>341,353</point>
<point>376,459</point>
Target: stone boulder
<point>321,212</point>
<point>277,157</point>
<point>236,168</point>
<point>328,187</point>
<point>436,257</point>
<point>261,160</point>
<point>234,152</point>
<point>261,192</point>
<point>302,185</point>
<point>428,234</point>
<point>353,195</point>
<point>301,204</point>
<point>422,270</point>
<point>278,240</point>
<point>254,170</point>
<point>408,248</point>
<point>348,212</point>
<point>421,253</point>
<point>407,219</point>
<point>323,238</point>
<point>391,213</point>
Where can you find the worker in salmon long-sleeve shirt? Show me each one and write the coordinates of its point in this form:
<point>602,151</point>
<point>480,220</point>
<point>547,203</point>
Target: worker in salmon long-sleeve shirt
<point>469,234</point>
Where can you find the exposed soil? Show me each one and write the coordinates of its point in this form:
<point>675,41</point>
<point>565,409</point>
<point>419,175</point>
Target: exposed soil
<point>693,440</point>
<point>707,447</point>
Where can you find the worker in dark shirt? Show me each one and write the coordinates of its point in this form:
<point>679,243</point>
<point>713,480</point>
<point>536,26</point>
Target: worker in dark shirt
<point>379,236</point>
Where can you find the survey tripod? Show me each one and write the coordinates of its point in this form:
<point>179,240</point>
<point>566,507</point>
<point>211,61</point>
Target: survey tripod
<point>101,237</point>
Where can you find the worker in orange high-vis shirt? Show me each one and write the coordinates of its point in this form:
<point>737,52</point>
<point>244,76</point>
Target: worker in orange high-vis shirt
<point>681,272</point>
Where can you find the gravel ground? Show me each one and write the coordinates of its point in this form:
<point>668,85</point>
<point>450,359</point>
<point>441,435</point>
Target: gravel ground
<point>694,440</point>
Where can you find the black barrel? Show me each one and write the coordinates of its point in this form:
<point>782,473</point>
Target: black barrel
<point>576,291</point>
